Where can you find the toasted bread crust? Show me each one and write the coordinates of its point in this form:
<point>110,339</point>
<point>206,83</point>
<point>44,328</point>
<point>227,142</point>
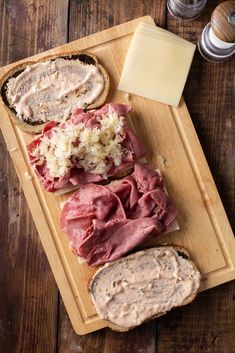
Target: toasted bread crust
<point>37,128</point>
<point>181,252</point>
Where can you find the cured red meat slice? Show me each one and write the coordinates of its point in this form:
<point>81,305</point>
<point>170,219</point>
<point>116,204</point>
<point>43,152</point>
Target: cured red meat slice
<point>133,150</point>
<point>105,222</point>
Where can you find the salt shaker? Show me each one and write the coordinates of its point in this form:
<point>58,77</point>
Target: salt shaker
<point>217,42</point>
<point>186,9</point>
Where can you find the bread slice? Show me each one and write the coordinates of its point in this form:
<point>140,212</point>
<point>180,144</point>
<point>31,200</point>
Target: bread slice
<point>35,128</point>
<point>102,283</point>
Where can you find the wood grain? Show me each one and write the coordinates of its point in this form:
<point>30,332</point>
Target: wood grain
<point>108,13</point>
<point>140,340</point>
<point>150,119</point>
<point>82,23</point>
<point>220,24</point>
<point>208,324</point>
<point>71,276</point>
<point>194,329</point>
<point>88,16</point>
<point>185,172</point>
<point>192,332</point>
<point>210,97</point>
<point>205,326</point>
<point>28,293</point>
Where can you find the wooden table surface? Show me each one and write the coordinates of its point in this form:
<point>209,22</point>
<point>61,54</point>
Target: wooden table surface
<point>32,316</point>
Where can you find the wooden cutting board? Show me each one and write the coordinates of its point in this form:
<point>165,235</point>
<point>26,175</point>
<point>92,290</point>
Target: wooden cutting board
<point>173,147</point>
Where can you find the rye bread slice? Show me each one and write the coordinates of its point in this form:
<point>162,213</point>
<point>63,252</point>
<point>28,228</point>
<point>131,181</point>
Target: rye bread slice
<point>36,128</point>
<point>182,252</point>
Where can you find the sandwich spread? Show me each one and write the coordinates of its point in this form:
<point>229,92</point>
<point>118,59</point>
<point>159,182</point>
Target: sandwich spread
<point>90,147</point>
<point>144,285</point>
<point>50,89</point>
<point>104,223</point>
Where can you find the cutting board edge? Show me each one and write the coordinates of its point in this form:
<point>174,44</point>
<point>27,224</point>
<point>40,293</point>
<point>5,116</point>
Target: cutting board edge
<point>85,328</point>
<point>205,180</point>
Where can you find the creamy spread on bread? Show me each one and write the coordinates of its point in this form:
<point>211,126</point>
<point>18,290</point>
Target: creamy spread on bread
<point>50,90</point>
<point>137,288</point>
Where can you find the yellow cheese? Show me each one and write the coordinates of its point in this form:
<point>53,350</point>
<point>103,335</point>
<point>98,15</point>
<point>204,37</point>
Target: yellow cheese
<point>157,64</point>
<point>163,33</point>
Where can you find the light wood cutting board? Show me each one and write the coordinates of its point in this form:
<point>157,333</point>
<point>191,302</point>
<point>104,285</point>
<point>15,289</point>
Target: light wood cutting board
<point>173,147</point>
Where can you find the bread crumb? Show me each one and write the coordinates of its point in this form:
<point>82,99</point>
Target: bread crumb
<point>27,176</point>
<point>127,97</point>
<point>62,204</point>
<point>13,149</point>
<point>161,160</point>
<point>81,260</point>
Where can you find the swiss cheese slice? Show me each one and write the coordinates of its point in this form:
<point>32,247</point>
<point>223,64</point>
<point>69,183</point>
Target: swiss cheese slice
<point>157,64</point>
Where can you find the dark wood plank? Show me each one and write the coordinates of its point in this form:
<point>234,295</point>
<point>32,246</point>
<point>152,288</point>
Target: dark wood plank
<point>28,293</point>
<point>142,339</point>
<point>68,341</point>
<point>87,17</point>
<point>210,98</point>
<point>207,325</point>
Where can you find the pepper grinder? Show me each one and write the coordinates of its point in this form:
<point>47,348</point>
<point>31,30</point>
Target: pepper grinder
<point>186,9</point>
<point>217,42</point>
